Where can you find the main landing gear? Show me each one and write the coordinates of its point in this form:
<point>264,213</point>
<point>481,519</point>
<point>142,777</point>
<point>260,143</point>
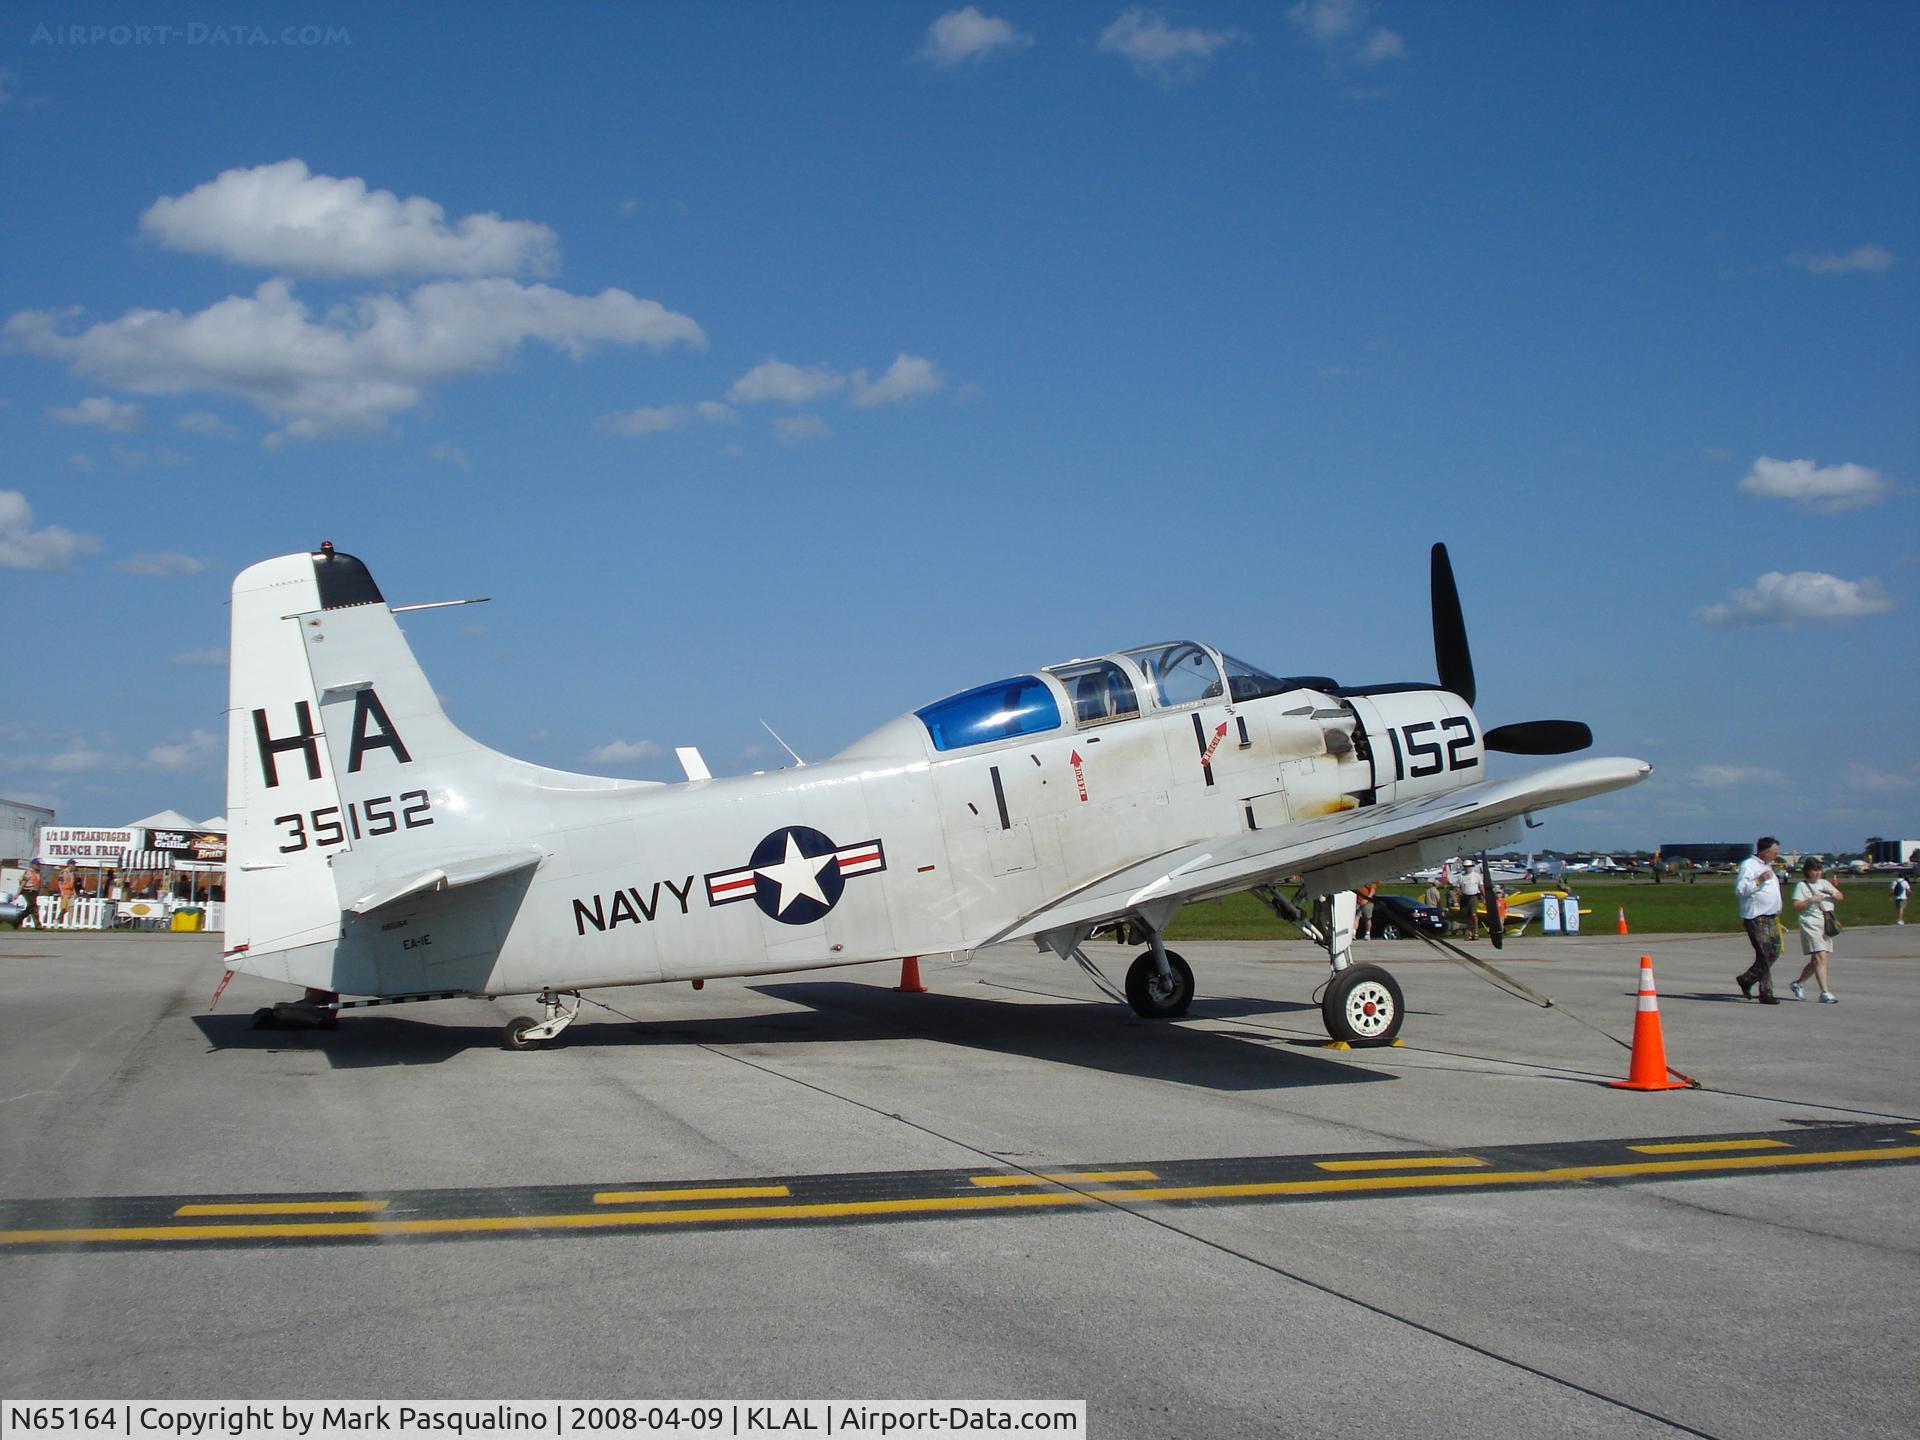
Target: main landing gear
<point>1362,1005</point>
<point>1159,983</point>
<point>523,1032</point>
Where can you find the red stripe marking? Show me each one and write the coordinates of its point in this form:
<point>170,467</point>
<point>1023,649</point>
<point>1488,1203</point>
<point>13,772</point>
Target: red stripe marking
<point>718,886</point>
<point>868,858</point>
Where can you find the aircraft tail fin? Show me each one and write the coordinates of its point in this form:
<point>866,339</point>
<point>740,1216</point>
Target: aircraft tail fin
<point>348,788</point>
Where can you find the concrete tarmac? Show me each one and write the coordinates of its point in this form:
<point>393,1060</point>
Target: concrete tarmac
<point>811,1186</point>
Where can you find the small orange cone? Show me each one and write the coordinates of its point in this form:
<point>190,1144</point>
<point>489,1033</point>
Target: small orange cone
<point>1623,919</point>
<point>1648,1068</point>
<point>910,977</point>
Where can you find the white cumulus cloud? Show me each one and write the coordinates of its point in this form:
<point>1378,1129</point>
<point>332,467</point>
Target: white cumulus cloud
<point>284,218</point>
<point>907,377</point>
<point>1732,777</point>
<point>619,751</point>
<point>1862,260</point>
<point>652,419</point>
<point>1829,488</point>
<point>1802,598</point>
<point>204,422</point>
<point>963,35</point>
<point>1336,27</point>
<point>24,548</point>
<point>1143,38</point>
<point>198,749</point>
<point>776,380</point>
<point>801,429</point>
<point>360,363</point>
<point>119,416</point>
<point>161,564</point>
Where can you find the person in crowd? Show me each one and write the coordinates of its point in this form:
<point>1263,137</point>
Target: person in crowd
<point>1814,897</point>
<point>1363,911</point>
<point>1470,888</point>
<point>1901,889</point>
<point>69,885</point>
<point>31,884</point>
<point>1758,890</point>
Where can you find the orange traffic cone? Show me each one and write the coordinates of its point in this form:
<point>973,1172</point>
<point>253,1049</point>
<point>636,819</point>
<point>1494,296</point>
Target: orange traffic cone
<point>910,977</point>
<point>1623,919</point>
<point>1648,1068</point>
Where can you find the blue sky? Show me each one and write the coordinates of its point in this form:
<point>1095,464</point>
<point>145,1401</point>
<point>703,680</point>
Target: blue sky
<point>808,363</point>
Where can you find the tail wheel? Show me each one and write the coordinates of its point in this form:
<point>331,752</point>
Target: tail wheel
<point>1363,1006</point>
<point>1152,995</point>
<point>514,1034</point>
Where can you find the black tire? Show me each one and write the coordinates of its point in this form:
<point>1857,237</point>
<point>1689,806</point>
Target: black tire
<point>514,1035</point>
<point>1149,995</point>
<point>265,1019</point>
<point>1363,1006</point>
<point>1388,931</point>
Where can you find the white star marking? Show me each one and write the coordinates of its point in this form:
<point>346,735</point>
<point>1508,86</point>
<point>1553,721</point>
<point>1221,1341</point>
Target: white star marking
<point>798,875</point>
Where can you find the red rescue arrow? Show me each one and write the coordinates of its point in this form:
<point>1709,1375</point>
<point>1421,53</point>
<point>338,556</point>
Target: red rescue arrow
<point>1219,734</point>
<point>1079,776</point>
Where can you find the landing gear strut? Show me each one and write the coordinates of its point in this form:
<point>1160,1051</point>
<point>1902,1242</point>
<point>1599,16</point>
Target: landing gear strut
<point>1159,982</point>
<point>1362,1005</point>
<point>524,1033</point>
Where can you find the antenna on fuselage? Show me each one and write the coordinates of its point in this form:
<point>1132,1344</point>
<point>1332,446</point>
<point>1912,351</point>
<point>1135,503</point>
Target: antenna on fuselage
<point>782,744</point>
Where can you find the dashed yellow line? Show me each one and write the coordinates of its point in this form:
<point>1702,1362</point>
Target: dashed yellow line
<point>727,1192</point>
<point>1405,1162</point>
<point>1689,1147</point>
<point>1063,1177</point>
<point>287,1207</point>
<point>938,1204</point>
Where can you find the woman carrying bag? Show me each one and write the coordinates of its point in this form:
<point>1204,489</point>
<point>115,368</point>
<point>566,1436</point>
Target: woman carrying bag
<point>1815,898</point>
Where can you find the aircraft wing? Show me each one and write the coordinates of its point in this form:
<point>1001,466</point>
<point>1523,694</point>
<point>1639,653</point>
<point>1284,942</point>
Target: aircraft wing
<point>1209,869</point>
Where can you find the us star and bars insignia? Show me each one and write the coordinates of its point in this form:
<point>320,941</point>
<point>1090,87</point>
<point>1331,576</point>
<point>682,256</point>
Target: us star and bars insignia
<point>796,875</point>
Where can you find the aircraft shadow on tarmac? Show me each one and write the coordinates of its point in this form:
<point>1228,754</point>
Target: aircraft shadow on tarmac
<point>1110,1039</point>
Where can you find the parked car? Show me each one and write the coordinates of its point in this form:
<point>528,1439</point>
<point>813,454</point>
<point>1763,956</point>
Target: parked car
<point>1397,918</point>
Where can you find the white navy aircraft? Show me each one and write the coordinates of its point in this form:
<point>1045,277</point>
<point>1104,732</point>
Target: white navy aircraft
<point>379,854</point>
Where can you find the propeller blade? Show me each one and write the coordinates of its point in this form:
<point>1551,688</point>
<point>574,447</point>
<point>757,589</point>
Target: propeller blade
<point>1539,737</point>
<point>1450,652</point>
<point>1496,927</point>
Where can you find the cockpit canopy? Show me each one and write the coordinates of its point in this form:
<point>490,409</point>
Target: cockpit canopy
<point>1082,694</point>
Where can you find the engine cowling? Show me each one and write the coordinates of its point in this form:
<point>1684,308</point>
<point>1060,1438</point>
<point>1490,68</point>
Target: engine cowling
<point>1422,742</point>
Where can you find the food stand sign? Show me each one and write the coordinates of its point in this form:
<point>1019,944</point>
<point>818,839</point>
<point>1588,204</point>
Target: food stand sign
<point>206,846</point>
<point>76,845</point>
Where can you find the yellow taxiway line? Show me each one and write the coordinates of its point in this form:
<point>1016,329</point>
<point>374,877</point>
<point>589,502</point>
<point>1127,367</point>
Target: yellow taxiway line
<point>938,1204</point>
<point>1693,1147</point>
<point>1063,1177</point>
<point>287,1207</point>
<point>724,1192</point>
<point>1405,1162</point>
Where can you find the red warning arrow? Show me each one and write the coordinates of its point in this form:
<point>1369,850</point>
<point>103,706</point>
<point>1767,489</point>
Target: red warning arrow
<point>1079,776</point>
<point>1219,734</point>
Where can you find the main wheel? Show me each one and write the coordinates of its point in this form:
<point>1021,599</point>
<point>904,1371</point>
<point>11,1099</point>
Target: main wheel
<point>514,1035</point>
<point>1151,995</point>
<point>1363,1006</point>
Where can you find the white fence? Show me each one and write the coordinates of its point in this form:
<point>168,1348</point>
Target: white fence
<point>93,913</point>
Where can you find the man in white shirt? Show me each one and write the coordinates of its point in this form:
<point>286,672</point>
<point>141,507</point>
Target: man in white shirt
<point>1758,890</point>
<point>1470,889</point>
<point>1901,888</point>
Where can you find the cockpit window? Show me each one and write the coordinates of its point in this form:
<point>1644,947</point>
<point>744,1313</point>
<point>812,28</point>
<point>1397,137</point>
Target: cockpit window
<point>1178,674</point>
<point>1000,711</point>
<point>1250,682</point>
<point>1099,689</point>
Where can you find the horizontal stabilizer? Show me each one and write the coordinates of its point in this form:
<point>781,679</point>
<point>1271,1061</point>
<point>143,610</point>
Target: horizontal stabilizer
<point>447,875</point>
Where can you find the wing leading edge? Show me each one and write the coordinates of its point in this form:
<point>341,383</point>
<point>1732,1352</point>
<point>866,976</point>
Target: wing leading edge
<point>1209,869</point>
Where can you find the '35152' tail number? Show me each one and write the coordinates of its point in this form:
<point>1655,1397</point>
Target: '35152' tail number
<point>372,817</point>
